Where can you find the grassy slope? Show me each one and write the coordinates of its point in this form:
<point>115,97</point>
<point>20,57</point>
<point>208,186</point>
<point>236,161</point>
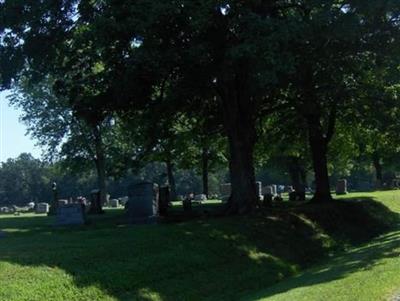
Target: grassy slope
<point>209,259</point>
<point>369,272</point>
<point>214,259</point>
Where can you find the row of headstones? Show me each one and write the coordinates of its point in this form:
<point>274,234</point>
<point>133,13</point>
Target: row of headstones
<point>226,189</point>
<point>145,204</point>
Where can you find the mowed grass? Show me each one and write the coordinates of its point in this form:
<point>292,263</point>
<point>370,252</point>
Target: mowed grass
<point>367,272</point>
<point>202,259</point>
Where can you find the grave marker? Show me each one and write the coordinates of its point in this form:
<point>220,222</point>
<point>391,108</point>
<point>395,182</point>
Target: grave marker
<point>341,187</point>
<point>142,206</point>
<point>71,214</point>
<point>42,208</point>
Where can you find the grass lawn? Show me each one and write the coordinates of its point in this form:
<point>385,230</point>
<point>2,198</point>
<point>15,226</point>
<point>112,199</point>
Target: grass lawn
<point>203,259</point>
<point>368,272</point>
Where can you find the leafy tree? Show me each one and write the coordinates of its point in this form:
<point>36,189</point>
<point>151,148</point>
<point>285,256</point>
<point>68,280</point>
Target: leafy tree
<point>79,142</point>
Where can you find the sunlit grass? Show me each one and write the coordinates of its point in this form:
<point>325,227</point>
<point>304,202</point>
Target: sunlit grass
<point>205,259</point>
<point>369,272</point>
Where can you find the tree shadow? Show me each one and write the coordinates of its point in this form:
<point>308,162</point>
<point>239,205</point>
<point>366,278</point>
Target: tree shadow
<point>358,259</point>
<point>204,259</point>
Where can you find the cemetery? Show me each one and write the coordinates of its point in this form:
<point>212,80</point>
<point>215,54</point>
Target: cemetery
<point>199,150</point>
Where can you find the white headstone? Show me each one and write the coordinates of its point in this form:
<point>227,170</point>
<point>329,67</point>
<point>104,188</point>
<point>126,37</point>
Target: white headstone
<point>42,208</point>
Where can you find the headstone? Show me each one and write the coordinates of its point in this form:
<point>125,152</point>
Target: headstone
<point>200,197</point>
<point>114,203</point>
<point>187,205</point>
<point>278,199</point>
<point>268,190</point>
<point>267,202</point>
<point>42,208</point>
<point>62,202</point>
<point>123,200</point>
<point>293,196</point>
<point>341,187</point>
<point>396,183</point>
<point>225,189</point>
<point>163,200</point>
<point>259,189</point>
<point>95,202</point>
<point>142,206</point>
<point>289,189</point>
<point>71,214</point>
<point>274,189</point>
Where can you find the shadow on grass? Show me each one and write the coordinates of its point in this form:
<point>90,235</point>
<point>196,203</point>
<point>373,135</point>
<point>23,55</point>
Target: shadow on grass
<point>204,259</point>
<point>363,258</point>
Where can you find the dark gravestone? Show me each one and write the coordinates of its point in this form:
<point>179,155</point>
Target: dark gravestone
<point>267,202</point>
<point>163,201</point>
<point>142,206</point>
<point>187,205</point>
<point>71,214</point>
<point>278,199</point>
<point>95,202</point>
<point>341,187</point>
<point>293,196</point>
<point>225,189</point>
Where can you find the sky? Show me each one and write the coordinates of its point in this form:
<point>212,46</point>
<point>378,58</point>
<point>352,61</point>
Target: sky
<point>13,138</point>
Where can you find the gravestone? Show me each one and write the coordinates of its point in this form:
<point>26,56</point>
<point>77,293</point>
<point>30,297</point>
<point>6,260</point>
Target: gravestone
<point>293,196</point>
<point>42,208</point>
<point>267,201</point>
<point>114,203</point>
<point>288,189</point>
<point>225,189</point>
<point>268,190</point>
<point>200,197</point>
<point>274,189</point>
<point>95,202</point>
<point>163,200</point>
<point>341,187</point>
<point>142,206</point>
<point>187,205</point>
<point>62,202</point>
<point>259,189</point>
<point>69,215</point>
<point>123,200</point>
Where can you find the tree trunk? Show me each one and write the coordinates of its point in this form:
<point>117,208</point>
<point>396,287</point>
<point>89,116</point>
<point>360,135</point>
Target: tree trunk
<point>205,159</point>
<point>171,179</point>
<point>244,197</point>
<point>296,174</point>
<point>100,162</point>
<point>319,149</point>
<point>378,169</point>
<point>239,124</point>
